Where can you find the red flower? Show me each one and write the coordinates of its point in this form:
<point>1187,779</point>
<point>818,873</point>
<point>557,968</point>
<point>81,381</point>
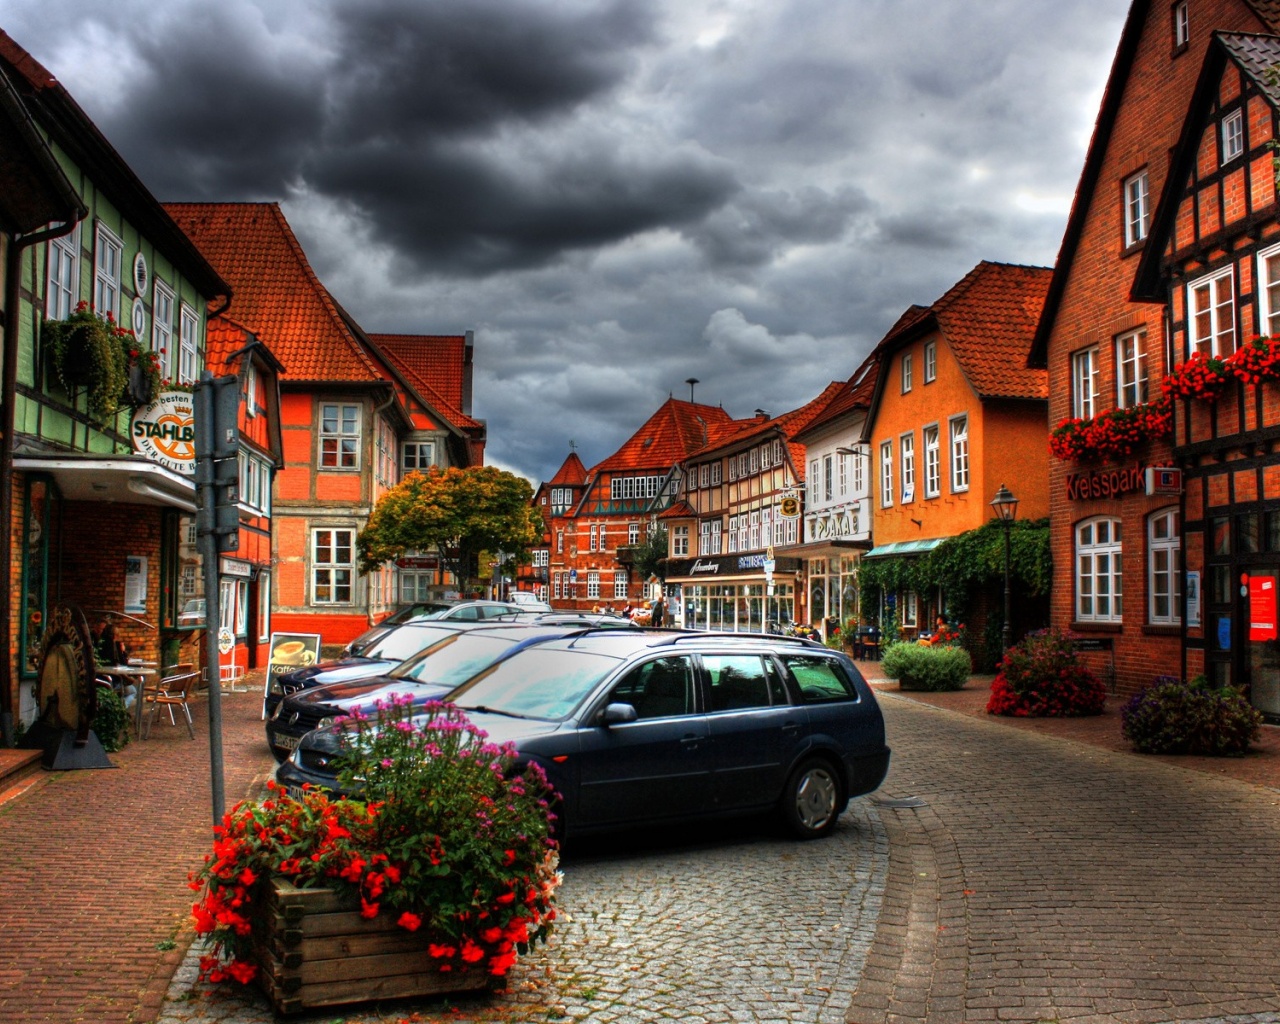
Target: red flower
<point>410,922</point>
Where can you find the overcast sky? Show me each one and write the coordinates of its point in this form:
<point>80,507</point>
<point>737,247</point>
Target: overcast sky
<point>614,195</point>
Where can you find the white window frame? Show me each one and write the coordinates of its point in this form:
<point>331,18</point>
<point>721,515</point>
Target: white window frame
<point>1131,368</point>
<point>162,303</point>
<point>1211,321</point>
<point>620,584</point>
<point>1085,374</point>
<point>1181,25</point>
<point>264,607</point>
<point>886,474</point>
<point>108,261</point>
<point>828,478</point>
<point>1269,290</point>
<point>251,389</point>
<point>814,487</point>
<point>62,284</point>
<point>633,533</point>
<point>1137,208</point>
<point>860,455</point>
<point>593,585</point>
<point>906,372</point>
<point>717,474</point>
<point>1164,567</point>
<point>679,541</point>
<point>1233,135</point>
<point>910,609</point>
<point>188,345</point>
<point>930,361</point>
<point>423,456</point>
<point>336,573</point>
<point>907,457</point>
<point>958,429</point>
<point>1099,576</point>
<point>843,474</point>
<point>337,453</point>
<point>931,439</point>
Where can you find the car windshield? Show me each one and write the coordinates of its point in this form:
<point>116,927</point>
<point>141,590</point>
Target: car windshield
<point>454,659</point>
<point>536,683</point>
<point>399,644</point>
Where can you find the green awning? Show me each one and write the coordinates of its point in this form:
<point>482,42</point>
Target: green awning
<point>904,547</point>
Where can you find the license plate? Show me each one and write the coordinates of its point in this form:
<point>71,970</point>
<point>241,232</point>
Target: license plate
<point>294,791</point>
<point>287,742</point>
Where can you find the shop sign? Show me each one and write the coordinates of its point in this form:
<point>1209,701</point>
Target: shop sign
<point>751,561</point>
<point>418,562</point>
<point>789,507</point>
<point>1105,483</point>
<point>701,567</point>
<point>1262,608</point>
<point>235,567</point>
<point>226,640</point>
<point>165,432</point>
<point>1163,480</point>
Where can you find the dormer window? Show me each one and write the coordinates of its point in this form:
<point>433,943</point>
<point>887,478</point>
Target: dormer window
<point>1232,135</point>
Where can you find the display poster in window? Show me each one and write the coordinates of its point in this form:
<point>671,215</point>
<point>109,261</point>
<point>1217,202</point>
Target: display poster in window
<point>1193,599</point>
<point>135,584</point>
<point>1262,608</point>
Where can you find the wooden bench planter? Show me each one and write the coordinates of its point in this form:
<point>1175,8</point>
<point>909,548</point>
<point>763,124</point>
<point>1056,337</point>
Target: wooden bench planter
<point>314,950</point>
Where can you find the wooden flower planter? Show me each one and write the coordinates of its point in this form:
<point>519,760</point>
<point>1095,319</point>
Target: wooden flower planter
<point>314,951</point>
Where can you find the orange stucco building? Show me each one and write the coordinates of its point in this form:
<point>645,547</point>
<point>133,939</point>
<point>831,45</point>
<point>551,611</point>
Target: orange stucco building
<point>955,414</point>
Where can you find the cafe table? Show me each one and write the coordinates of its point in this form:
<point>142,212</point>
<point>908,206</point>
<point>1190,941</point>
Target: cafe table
<point>130,675</point>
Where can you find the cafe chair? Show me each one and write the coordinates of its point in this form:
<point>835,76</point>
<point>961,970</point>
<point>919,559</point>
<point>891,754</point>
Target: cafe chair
<point>172,691</point>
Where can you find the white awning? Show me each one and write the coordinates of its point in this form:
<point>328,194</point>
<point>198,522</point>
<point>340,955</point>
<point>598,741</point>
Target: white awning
<point>124,479</point>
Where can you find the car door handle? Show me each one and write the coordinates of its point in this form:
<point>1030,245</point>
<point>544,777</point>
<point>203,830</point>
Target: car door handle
<point>690,742</point>
<point>790,728</point>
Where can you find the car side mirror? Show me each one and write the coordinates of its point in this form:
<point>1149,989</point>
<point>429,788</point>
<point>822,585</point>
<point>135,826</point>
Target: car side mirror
<point>615,714</point>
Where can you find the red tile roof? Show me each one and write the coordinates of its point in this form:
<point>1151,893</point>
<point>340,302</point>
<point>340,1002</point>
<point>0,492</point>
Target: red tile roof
<point>438,360</point>
<point>670,435</point>
<point>678,510</point>
<point>570,474</point>
<point>988,319</point>
<point>223,337</point>
<point>433,365</point>
<point>277,294</point>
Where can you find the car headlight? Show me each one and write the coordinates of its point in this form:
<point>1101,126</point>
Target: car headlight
<point>275,685</point>
<point>276,711</point>
<point>324,723</point>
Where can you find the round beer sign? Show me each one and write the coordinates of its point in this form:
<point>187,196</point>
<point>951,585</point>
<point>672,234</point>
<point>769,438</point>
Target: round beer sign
<point>165,431</point>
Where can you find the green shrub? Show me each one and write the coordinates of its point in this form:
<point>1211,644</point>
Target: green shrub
<point>927,668</point>
<point>1173,717</point>
<point>111,722</point>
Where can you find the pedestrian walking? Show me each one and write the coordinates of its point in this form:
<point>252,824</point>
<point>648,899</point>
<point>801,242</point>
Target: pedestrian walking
<point>658,612</point>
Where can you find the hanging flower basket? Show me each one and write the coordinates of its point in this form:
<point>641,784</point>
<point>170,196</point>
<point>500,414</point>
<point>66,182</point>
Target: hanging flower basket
<point>94,353</point>
<point>1112,435</point>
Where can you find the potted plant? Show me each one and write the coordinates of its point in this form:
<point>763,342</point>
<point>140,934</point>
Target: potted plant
<point>445,858</point>
<point>1042,676</point>
<point>85,351</point>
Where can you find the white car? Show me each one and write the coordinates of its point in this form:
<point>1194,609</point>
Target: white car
<point>529,602</point>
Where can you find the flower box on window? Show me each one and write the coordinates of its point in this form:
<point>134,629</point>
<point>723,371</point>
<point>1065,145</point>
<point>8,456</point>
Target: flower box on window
<point>1201,377</point>
<point>1112,435</point>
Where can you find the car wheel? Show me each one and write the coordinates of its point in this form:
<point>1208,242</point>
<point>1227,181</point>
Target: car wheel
<point>812,801</point>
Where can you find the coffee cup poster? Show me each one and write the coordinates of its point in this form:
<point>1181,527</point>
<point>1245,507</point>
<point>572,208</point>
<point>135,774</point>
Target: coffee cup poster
<point>291,651</point>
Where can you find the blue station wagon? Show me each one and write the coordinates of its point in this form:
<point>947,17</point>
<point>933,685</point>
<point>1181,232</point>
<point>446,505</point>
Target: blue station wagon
<point>644,728</point>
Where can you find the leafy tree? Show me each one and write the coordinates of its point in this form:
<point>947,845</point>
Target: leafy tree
<point>649,554</point>
<point>456,513</point>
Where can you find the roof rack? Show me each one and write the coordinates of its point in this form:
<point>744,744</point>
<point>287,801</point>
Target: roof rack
<point>799,641</point>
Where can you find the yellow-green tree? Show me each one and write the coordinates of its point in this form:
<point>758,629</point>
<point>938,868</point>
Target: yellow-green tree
<point>454,513</point>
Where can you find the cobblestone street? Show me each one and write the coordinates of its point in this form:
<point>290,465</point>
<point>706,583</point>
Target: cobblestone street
<point>1007,871</point>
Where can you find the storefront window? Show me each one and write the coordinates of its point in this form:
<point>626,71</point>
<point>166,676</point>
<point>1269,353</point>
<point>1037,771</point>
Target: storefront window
<point>188,576</point>
<point>1248,538</point>
<point>37,527</point>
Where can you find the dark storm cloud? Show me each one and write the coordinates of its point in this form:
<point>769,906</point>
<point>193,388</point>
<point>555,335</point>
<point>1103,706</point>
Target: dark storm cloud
<point>405,68</point>
<point>752,230</point>
<point>454,212</point>
<point>934,228</point>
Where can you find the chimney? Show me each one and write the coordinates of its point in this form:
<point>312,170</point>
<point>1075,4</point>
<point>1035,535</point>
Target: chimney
<point>761,414</point>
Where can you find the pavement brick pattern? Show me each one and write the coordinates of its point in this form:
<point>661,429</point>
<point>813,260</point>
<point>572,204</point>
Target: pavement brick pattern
<point>733,923</point>
<point>1047,881</point>
<point>93,871</point>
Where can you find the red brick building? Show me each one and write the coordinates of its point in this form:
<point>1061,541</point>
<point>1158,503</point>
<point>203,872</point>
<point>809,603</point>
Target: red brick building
<point>1117,550</point>
<point>553,500</point>
<point>1213,256</point>
<point>614,507</point>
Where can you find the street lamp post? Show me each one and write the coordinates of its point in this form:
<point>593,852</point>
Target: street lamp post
<point>1006,506</point>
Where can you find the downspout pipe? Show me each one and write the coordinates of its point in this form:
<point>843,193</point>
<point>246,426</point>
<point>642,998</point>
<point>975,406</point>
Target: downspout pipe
<point>8,389</point>
<point>378,410</point>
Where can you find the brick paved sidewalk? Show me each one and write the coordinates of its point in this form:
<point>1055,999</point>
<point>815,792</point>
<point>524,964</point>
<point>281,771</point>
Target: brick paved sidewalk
<point>1260,766</point>
<point>93,870</point>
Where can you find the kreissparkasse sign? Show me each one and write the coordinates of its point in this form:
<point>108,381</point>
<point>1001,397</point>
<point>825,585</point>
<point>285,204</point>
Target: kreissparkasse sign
<point>165,431</point>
